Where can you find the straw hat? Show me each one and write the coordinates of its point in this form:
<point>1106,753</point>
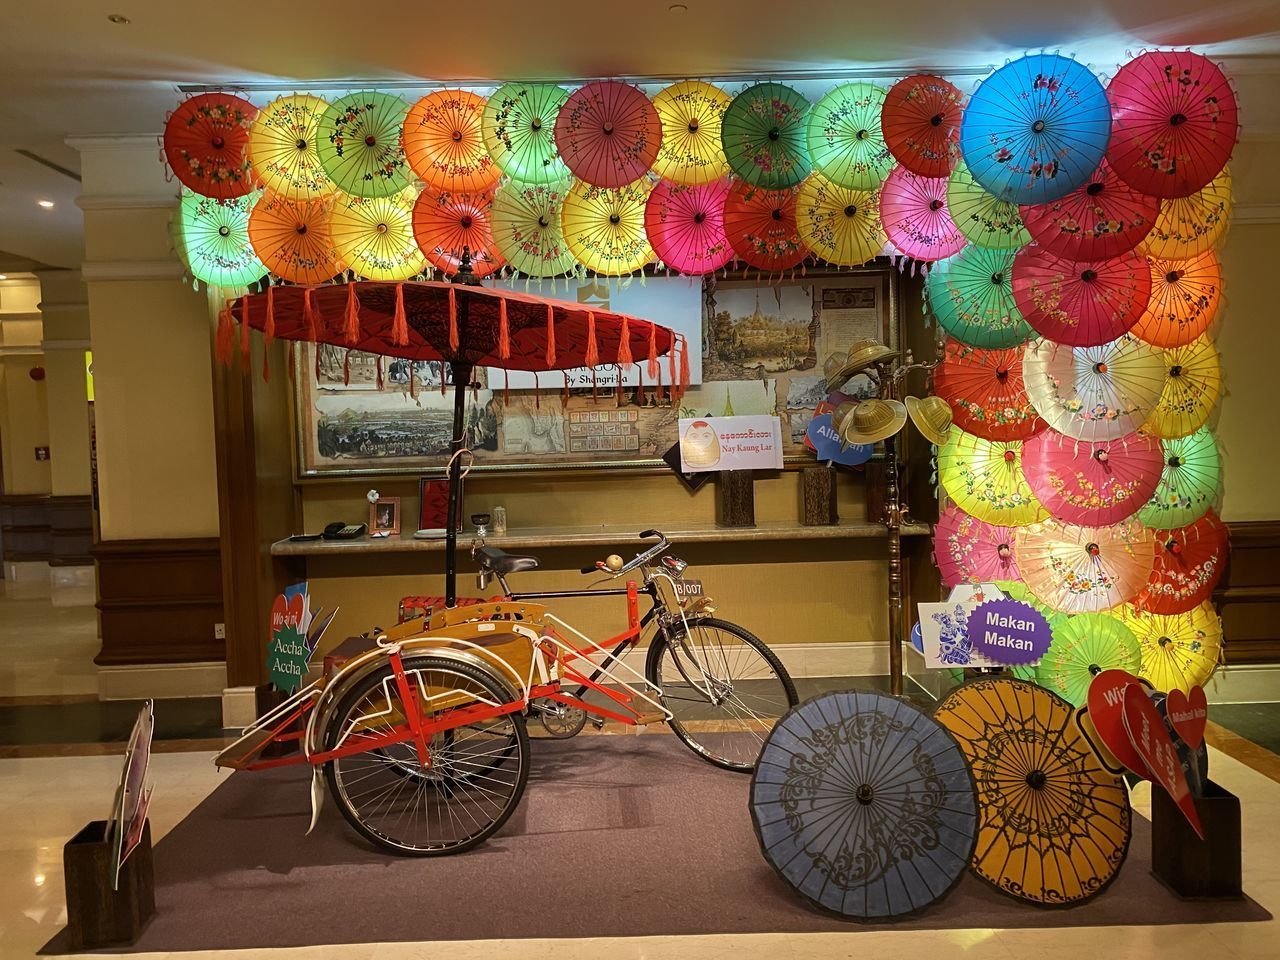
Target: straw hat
<point>861,355</point>
<point>873,421</point>
<point>932,417</point>
<point>842,411</point>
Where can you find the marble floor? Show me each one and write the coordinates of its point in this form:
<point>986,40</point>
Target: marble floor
<point>47,645</point>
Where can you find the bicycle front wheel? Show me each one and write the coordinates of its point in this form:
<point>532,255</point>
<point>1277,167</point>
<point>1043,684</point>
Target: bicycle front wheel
<point>724,687</point>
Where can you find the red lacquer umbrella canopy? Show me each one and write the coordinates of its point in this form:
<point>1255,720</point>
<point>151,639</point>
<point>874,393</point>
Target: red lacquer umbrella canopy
<point>206,142</point>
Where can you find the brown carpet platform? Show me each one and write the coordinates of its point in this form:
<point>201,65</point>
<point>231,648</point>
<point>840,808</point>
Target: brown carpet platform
<point>616,836</point>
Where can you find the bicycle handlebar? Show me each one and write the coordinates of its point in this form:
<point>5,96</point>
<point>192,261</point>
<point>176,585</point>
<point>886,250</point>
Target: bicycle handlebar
<point>602,566</point>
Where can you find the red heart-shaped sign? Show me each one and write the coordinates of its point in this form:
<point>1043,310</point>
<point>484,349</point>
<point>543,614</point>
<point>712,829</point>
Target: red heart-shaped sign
<point>287,613</point>
<point>1151,739</point>
<point>1188,714</point>
<point>1106,712</point>
<point>279,610</point>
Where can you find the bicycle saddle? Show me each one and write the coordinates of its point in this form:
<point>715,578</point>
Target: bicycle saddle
<point>501,562</point>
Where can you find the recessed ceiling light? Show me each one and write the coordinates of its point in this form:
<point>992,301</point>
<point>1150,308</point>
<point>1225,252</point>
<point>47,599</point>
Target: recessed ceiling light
<point>118,18</point>
<point>4,276</point>
<point>47,204</point>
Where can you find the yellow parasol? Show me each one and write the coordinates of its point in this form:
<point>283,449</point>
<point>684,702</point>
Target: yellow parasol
<point>374,235</point>
<point>1085,569</point>
<point>1178,651</point>
<point>985,480</point>
<point>839,224</point>
<point>604,227</point>
<point>1191,390</point>
<point>691,150</point>
<point>1189,226</point>
<point>282,148</point>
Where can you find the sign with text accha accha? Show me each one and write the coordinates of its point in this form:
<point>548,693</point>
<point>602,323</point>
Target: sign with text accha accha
<point>730,443</point>
<point>288,653</point>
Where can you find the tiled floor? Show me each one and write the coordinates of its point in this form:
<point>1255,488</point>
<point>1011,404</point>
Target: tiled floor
<point>46,648</point>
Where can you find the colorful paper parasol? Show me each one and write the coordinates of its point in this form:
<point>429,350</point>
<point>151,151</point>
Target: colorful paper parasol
<point>685,224</point>
<point>985,391</point>
<point>1189,564</point>
<point>1184,300</point>
<point>920,121</point>
<point>913,210</point>
<point>844,139</point>
<point>527,229</point>
<point>359,144</point>
<point>1180,651</point>
<point>444,142</point>
<point>374,235</point>
<point>1053,825</point>
<point>971,295</point>
<point>1092,483</point>
<point>761,227</point>
<point>604,227</point>
<point>691,151</point>
<point>864,805</point>
<point>1190,484</point>
<point>1102,218</point>
<point>1094,393</point>
<point>985,219</point>
<point>1083,646</point>
<point>1174,122</point>
<point>840,225</point>
<point>1036,129</point>
<point>967,550</point>
<point>292,239</point>
<point>1191,390</point>
<point>446,224</point>
<point>215,237</point>
<point>763,132</point>
<point>608,133</point>
<point>1085,569</point>
<point>519,130</point>
<point>206,142</point>
<point>1081,303</point>
<point>985,480</point>
<point>283,148</point>
<point>1190,226</point>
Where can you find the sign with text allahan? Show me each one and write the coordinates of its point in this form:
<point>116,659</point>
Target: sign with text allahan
<point>288,653</point>
<point>1009,632</point>
<point>730,443</point>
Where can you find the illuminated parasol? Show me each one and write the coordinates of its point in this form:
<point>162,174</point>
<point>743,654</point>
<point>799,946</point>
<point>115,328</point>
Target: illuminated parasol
<point>985,391</point>
<point>1081,303</point>
<point>1083,646</point>
<point>283,148</point>
<point>446,224</point>
<point>1174,122</point>
<point>920,121</point>
<point>691,151</point>
<point>761,227</point>
<point>359,144</point>
<point>374,235</point>
<point>1191,390</point>
<point>1092,483</point>
<point>967,550</point>
<point>1094,393</point>
<point>215,239</point>
<point>527,229</point>
<point>1180,651</point>
<point>985,219</point>
<point>1053,825</point>
<point>1102,218</point>
<point>1189,563</point>
<point>519,130</point>
<point>1190,226</point>
<point>844,138</point>
<point>1085,569</point>
<point>292,238</point>
<point>1185,295</point>
<point>971,295</point>
<point>913,210</point>
<point>763,132</point>
<point>604,227</point>
<point>985,480</point>
<point>444,143</point>
<point>206,142</point>
<point>1190,484</point>
<point>840,225</point>
<point>685,224</point>
<point>608,133</point>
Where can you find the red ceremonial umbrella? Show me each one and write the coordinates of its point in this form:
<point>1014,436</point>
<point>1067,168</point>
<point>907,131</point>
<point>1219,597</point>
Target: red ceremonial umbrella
<point>685,224</point>
<point>608,133</point>
<point>913,212</point>
<point>969,550</point>
<point>761,227</point>
<point>986,392</point>
<point>447,224</point>
<point>206,141</point>
<point>1189,564</point>
<point>1174,122</point>
<point>920,121</point>
<point>1102,218</point>
<point>1083,304</point>
<point>1092,483</point>
<point>1184,300</point>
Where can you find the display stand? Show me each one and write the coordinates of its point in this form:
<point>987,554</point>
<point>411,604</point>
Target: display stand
<point>818,497</point>
<point>98,916</point>
<point>735,498</point>
<point>1192,868</point>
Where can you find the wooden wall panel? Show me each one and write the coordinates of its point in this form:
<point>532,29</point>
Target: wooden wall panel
<point>1249,596</point>
<point>70,531</point>
<point>24,528</point>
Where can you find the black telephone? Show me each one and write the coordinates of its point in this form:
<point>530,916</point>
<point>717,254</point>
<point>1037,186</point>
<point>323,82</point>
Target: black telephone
<point>344,531</point>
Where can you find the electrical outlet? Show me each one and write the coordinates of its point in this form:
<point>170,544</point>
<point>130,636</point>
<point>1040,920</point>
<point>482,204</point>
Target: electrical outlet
<point>219,631</point>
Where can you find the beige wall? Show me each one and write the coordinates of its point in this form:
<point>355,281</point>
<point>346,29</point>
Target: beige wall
<point>64,310</point>
<point>24,420</point>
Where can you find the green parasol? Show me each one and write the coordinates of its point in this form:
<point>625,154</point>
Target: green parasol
<point>1083,646</point>
<point>215,240</point>
<point>844,138</point>
<point>764,135</point>
<point>519,129</point>
<point>527,227</point>
<point>1017,590</point>
<point>358,141</point>
<point>1189,484</point>
<point>971,294</point>
<point>983,218</point>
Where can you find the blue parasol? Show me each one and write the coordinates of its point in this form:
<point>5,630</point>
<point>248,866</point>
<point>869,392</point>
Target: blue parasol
<point>1036,128</point>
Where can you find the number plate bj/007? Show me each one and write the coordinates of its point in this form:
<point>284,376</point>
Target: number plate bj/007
<point>686,589</point>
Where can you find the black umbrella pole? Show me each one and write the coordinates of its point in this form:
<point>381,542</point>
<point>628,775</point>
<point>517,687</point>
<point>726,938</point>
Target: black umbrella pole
<point>461,380</point>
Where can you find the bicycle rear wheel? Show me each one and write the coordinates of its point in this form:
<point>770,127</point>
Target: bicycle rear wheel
<point>724,687</point>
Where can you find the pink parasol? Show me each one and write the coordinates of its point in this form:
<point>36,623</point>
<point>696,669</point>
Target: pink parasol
<point>1083,304</point>
<point>969,550</point>
<point>686,225</point>
<point>608,133</point>
<point>913,211</point>
<point>1189,563</point>
<point>1093,484</point>
<point>1102,218</point>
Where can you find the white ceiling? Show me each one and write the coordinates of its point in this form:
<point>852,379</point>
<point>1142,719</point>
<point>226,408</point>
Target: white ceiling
<point>66,70</point>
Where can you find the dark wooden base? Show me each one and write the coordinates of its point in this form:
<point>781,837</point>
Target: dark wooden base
<point>818,506</point>
<point>98,916</point>
<point>735,498</point>
<point>1192,868</point>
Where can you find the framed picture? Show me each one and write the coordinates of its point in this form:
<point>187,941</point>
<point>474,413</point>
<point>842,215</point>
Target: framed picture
<point>384,515</point>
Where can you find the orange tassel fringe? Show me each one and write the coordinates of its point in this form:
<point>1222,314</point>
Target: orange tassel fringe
<point>504,331</point>
<point>453,321</point>
<point>269,328</point>
<point>624,345</point>
<point>351,331</point>
<point>551,336</point>
<point>593,350</point>
<point>399,323</point>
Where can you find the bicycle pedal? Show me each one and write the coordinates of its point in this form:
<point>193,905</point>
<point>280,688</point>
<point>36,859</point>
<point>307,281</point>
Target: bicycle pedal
<point>654,716</point>
<point>597,722</point>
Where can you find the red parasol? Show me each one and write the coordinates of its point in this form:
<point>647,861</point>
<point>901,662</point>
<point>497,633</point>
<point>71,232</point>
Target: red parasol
<point>1092,484</point>
<point>1102,218</point>
<point>1083,304</point>
<point>686,225</point>
<point>986,392</point>
<point>608,133</point>
<point>913,211</point>
<point>206,141</point>
<point>968,550</point>
<point>1174,122</point>
<point>920,121</point>
<point>761,227</point>
<point>1184,300</point>
<point>1189,564</point>
<point>446,224</point>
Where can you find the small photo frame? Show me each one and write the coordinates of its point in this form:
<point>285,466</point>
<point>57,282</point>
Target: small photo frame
<point>384,515</point>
